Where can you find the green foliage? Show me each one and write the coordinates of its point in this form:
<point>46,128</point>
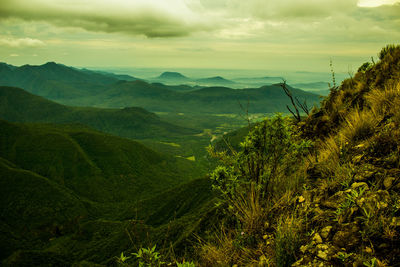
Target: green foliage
<point>343,256</point>
<point>371,263</point>
<point>148,257</point>
<point>186,264</point>
<point>269,153</point>
<point>364,67</point>
<point>122,260</point>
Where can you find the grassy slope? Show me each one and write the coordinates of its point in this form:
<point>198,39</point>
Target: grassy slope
<point>347,211</point>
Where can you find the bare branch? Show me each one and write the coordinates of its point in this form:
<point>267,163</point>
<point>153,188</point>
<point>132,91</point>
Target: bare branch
<point>289,94</point>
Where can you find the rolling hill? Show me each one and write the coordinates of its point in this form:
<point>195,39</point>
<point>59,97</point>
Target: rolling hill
<point>20,106</point>
<point>155,97</point>
<point>63,187</point>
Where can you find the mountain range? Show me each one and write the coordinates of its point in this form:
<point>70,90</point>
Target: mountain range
<point>77,87</point>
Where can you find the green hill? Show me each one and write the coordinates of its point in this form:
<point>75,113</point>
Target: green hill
<point>70,191</point>
<point>34,209</point>
<point>20,106</point>
<point>94,165</point>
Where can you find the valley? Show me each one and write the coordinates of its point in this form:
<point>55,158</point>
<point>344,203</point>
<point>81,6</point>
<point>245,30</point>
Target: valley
<point>99,164</point>
<point>109,158</point>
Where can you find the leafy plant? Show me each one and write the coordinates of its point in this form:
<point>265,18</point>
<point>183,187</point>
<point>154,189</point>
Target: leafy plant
<point>186,264</point>
<point>122,260</point>
<point>148,257</point>
<point>343,256</point>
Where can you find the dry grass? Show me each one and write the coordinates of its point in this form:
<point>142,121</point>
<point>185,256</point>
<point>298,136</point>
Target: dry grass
<point>287,239</point>
<point>359,125</point>
<point>382,101</point>
<point>224,251</point>
<point>249,210</point>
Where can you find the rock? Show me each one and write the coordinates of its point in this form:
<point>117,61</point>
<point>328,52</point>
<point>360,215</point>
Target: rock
<point>359,184</point>
<point>326,231</point>
<point>299,262</point>
<point>322,247</point>
<point>347,237</point>
<point>323,255</point>
<point>387,182</point>
<point>317,238</point>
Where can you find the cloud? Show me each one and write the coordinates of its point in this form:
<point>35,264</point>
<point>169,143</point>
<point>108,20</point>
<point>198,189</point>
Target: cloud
<point>282,9</point>
<point>20,42</point>
<point>151,18</point>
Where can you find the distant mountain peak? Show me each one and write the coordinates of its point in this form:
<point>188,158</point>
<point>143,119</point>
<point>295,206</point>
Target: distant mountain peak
<point>172,75</point>
<point>50,64</point>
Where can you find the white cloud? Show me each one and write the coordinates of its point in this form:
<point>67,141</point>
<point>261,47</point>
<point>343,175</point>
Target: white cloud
<point>376,3</point>
<point>20,42</point>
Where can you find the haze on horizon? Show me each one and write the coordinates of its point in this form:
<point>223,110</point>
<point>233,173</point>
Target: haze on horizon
<point>287,35</point>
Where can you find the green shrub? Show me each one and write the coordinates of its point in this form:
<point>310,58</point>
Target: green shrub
<point>269,153</point>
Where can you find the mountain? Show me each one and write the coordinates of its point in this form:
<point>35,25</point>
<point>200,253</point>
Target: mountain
<point>55,81</point>
<point>124,77</point>
<point>20,106</point>
<point>321,88</point>
<point>159,98</point>
<point>258,81</point>
<point>76,87</point>
<point>213,81</point>
<point>172,76</point>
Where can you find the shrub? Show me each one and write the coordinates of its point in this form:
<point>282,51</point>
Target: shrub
<point>269,153</point>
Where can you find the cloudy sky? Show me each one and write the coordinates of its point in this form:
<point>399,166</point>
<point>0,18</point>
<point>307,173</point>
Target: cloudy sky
<point>253,34</point>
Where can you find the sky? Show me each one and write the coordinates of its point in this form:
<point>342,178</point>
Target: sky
<point>280,35</point>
